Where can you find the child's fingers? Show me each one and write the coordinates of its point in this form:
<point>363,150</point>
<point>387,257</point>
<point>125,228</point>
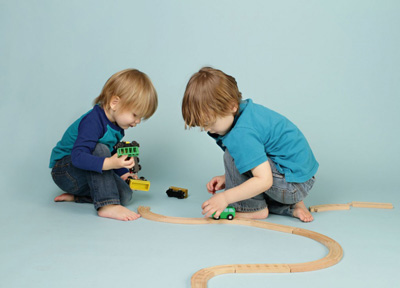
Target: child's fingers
<point>208,209</point>
<point>129,163</point>
<point>210,188</point>
<point>218,186</point>
<point>216,214</point>
<point>126,161</point>
<point>208,212</point>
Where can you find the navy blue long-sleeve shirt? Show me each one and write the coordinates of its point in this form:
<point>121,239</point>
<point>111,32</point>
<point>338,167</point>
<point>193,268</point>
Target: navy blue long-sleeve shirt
<point>81,138</point>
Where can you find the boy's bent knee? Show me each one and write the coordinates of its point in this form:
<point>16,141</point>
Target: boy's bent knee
<point>101,150</point>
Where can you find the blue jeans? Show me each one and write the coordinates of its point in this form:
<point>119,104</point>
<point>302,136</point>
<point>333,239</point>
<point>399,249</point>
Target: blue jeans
<point>101,189</point>
<point>280,198</point>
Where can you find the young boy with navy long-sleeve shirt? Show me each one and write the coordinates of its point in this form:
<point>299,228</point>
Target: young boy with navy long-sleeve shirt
<point>83,162</point>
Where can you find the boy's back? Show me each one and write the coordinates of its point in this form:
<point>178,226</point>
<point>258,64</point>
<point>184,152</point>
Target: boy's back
<point>258,133</point>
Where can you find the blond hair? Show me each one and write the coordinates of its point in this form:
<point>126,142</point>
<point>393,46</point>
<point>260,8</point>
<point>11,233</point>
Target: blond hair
<point>135,90</point>
<point>210,93</point>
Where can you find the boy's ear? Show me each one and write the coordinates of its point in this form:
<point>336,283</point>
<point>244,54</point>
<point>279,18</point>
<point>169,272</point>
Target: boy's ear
<point>234,108</point>
<point>114,102</point>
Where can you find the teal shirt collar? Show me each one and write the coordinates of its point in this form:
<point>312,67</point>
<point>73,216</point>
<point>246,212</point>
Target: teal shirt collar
<point>219,138</point>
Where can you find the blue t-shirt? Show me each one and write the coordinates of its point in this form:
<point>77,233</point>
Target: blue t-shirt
<point>259,133</point>
<point>81,138</point>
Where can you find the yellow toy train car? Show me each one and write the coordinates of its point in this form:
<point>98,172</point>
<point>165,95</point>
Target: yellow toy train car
<point>139,184</point>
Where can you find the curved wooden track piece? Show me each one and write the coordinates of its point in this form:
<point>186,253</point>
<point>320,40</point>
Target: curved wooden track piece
<point>331,207</point>
<point>200,278</point>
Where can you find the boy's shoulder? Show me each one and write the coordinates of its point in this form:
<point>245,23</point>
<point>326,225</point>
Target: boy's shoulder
<point>252,114</point>
<point>96,118</point>
<point>96,114</point>
<point>251,107</point>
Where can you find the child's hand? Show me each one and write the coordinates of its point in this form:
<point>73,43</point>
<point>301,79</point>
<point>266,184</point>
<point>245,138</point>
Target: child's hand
<point>127,175</point>
<point>115,162</point>
<point>216,203</point>
<point>215,184</point>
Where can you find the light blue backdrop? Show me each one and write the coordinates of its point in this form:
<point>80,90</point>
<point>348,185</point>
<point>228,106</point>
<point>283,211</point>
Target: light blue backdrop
<point>332,67</point>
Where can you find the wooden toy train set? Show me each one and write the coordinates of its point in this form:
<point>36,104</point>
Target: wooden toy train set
<point>335,253</point>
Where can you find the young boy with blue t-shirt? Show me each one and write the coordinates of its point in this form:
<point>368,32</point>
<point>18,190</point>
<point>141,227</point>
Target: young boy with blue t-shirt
<point>269,165</point>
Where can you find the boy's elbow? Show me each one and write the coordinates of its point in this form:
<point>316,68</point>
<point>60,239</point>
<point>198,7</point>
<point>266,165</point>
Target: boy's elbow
<point>264,176</point>
<point>267,186</point>
<point>264,185</point>
<point>267,182</point>
<point>75,158</point>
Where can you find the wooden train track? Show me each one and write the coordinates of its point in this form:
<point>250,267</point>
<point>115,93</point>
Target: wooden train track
<point>331,207</point>
<point>201,277</point>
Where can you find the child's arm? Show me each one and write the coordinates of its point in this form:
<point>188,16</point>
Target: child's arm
<point>260,182</point>
<point>90,130</point>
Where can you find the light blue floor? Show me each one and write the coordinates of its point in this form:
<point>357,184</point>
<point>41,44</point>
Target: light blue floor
<point>48,244</point>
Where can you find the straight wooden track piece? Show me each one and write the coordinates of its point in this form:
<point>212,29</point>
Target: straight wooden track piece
<point>372,205</point>
<point>329,207</point>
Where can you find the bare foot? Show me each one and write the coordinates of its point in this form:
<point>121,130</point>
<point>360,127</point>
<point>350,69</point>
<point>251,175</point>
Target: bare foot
<point>64,197</point>
<point>301,212</point>
<point>117,212</point>
<point>261,214</point>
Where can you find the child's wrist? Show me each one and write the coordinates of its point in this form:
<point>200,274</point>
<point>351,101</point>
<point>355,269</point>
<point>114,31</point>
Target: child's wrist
<point>107,164</point>
<point>226,196</point>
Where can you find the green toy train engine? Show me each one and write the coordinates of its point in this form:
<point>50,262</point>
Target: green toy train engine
<point>127,148</point>
<point>131,149</point>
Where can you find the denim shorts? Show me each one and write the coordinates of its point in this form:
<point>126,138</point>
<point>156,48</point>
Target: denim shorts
<point>279,199</point>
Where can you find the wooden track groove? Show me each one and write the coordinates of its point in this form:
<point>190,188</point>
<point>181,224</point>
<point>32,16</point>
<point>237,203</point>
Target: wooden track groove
<point>201,277</point>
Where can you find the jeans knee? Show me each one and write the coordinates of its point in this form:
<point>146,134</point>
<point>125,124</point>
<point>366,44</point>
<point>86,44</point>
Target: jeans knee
<point>101,150</point>
<point>126,198</point>
<point>228,160</point>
